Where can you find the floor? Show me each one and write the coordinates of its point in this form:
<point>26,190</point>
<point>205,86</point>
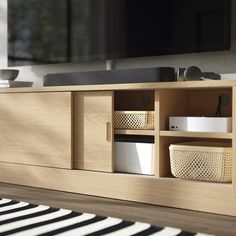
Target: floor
<point>156,215</point>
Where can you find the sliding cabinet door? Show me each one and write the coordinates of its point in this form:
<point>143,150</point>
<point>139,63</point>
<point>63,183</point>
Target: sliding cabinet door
<point>35,129</point>
<point>93,131</point>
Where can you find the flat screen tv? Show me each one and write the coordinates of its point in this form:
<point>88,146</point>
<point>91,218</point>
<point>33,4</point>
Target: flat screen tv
<point>60,31</point>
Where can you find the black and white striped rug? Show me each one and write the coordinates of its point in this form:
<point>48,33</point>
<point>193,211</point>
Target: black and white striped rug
<point>23,219</point>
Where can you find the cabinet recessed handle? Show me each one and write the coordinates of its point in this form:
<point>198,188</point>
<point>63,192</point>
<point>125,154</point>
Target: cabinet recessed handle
<point>108,131</point>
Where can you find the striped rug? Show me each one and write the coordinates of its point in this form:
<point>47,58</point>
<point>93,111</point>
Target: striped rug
<point>23,219</point>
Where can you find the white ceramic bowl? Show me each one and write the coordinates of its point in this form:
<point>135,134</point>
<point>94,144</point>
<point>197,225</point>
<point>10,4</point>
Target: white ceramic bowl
<point>8,74</point>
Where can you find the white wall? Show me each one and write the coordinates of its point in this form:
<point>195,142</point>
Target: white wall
<point>220,62</point>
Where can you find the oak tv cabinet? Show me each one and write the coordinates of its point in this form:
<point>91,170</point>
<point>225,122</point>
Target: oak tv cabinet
<point>62,138</point>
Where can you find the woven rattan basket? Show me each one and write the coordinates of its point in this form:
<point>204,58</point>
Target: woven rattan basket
<point>209,161</point>
<point>134,119</point>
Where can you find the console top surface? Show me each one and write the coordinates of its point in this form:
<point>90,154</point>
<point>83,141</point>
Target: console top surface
<point>209,84</point>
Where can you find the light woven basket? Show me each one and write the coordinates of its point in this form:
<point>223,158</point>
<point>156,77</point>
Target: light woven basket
<point>134,119</point>
<point>202,161</point>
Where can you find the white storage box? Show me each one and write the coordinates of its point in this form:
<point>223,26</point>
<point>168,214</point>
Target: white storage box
<point>132,157</point>
<point>200,124</point>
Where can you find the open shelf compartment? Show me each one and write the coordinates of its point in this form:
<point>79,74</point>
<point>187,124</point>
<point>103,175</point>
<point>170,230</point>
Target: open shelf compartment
<point>188,102</point>
<point>135,101</point>
<point>192,102</point>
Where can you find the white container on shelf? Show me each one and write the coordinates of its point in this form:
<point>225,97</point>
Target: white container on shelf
<point>200,124</point>
<point>133,157</point>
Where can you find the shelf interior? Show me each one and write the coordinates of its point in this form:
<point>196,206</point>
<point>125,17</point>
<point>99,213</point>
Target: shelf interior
<point>141,100</point>
<point>192,103</point>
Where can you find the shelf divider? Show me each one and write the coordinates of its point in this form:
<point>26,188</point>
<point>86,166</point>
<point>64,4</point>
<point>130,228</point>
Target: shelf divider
<point>216,135</point>
<point>134,132</point>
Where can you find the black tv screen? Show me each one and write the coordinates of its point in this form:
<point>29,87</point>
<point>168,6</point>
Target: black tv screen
<point>58,31</point>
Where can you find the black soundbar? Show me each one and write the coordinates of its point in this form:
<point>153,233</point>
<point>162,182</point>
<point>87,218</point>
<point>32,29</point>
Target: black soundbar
<point>141,75</point>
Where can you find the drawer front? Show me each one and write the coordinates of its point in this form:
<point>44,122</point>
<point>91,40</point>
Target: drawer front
<point>36,129</point>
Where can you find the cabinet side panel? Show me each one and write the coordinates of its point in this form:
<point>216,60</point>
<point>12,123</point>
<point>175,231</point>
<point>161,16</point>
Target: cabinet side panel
<point>234,140</point>
<point>156,163</point>
<point>93,131</point>
<point>36,129</point>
